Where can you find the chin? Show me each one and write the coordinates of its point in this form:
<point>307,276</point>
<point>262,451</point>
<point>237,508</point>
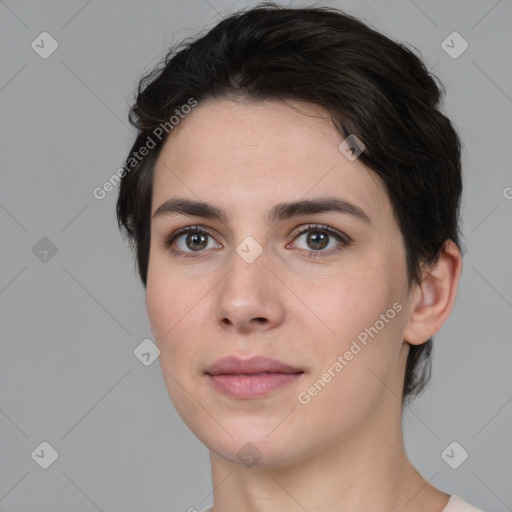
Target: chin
<point>248,445</point>
<point>262,453</point>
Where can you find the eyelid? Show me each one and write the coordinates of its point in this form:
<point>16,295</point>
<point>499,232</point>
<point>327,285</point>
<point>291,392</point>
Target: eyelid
<point>180,231</point>
<point>320,227</point>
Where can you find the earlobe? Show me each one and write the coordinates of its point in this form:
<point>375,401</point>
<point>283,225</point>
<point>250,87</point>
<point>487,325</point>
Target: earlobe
<point>433,299</point>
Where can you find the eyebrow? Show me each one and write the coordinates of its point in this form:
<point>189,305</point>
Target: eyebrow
<point>279,212</point>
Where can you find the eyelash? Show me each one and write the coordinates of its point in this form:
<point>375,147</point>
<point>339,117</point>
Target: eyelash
<point>344,240</point>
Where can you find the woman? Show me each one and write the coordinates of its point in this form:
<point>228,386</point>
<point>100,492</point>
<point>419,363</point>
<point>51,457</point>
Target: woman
<point>293,199</point>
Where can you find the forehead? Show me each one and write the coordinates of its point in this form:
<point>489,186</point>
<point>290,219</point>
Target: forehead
<point>247,154</point>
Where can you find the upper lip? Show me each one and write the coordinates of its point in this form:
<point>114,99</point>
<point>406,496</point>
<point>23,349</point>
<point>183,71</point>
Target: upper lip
<point>256,364</point>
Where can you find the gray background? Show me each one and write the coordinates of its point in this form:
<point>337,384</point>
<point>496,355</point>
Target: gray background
<point>70,324</point>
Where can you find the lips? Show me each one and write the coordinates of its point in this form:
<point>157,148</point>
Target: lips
<point>255,365</point>
<point>247,379</point>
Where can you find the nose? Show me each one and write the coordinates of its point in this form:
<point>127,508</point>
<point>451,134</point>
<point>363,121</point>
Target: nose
<point>250,297</point>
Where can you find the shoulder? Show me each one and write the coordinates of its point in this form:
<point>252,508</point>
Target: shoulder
<point>457,504</point>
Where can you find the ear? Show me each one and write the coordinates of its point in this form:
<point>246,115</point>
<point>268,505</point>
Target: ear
<point>433,299</point>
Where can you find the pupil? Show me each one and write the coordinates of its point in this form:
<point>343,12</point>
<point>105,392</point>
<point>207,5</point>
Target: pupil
<point>317,242</point>
<point>195,238</point>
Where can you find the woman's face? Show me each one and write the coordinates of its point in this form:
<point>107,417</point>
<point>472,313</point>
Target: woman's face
<point>331,305</point>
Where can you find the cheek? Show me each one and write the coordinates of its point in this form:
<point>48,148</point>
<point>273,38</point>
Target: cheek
<point>156,304</point>
<point>167,317</point>
<point>174,309</point>
<point>355,369</point>
<point>164,312</point>
<point>363,316</point>
<point>346,300</point>
<point>167,297</point>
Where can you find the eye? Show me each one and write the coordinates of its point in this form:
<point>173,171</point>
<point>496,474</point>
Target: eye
<point>193,240</point>
<point>319,237</point>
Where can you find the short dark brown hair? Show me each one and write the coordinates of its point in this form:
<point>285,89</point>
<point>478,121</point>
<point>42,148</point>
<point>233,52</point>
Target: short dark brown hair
<point>372,87</point>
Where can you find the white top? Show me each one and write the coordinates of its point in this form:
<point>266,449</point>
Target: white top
<point>455,504</point>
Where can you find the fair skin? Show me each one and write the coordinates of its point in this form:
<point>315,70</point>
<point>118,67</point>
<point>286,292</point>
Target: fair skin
<point>343,450</point>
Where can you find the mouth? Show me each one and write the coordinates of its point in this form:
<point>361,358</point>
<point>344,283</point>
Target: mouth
<point>254,365</point>
<point>251,378</point>
<point>254,385</point>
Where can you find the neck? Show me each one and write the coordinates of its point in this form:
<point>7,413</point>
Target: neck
<point>367,470</point>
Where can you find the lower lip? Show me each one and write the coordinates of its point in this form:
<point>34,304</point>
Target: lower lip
<point>252,386</point>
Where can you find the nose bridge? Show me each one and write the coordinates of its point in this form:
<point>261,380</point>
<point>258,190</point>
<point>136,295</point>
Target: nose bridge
<point>249,269</point>
<point>249,290</point>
